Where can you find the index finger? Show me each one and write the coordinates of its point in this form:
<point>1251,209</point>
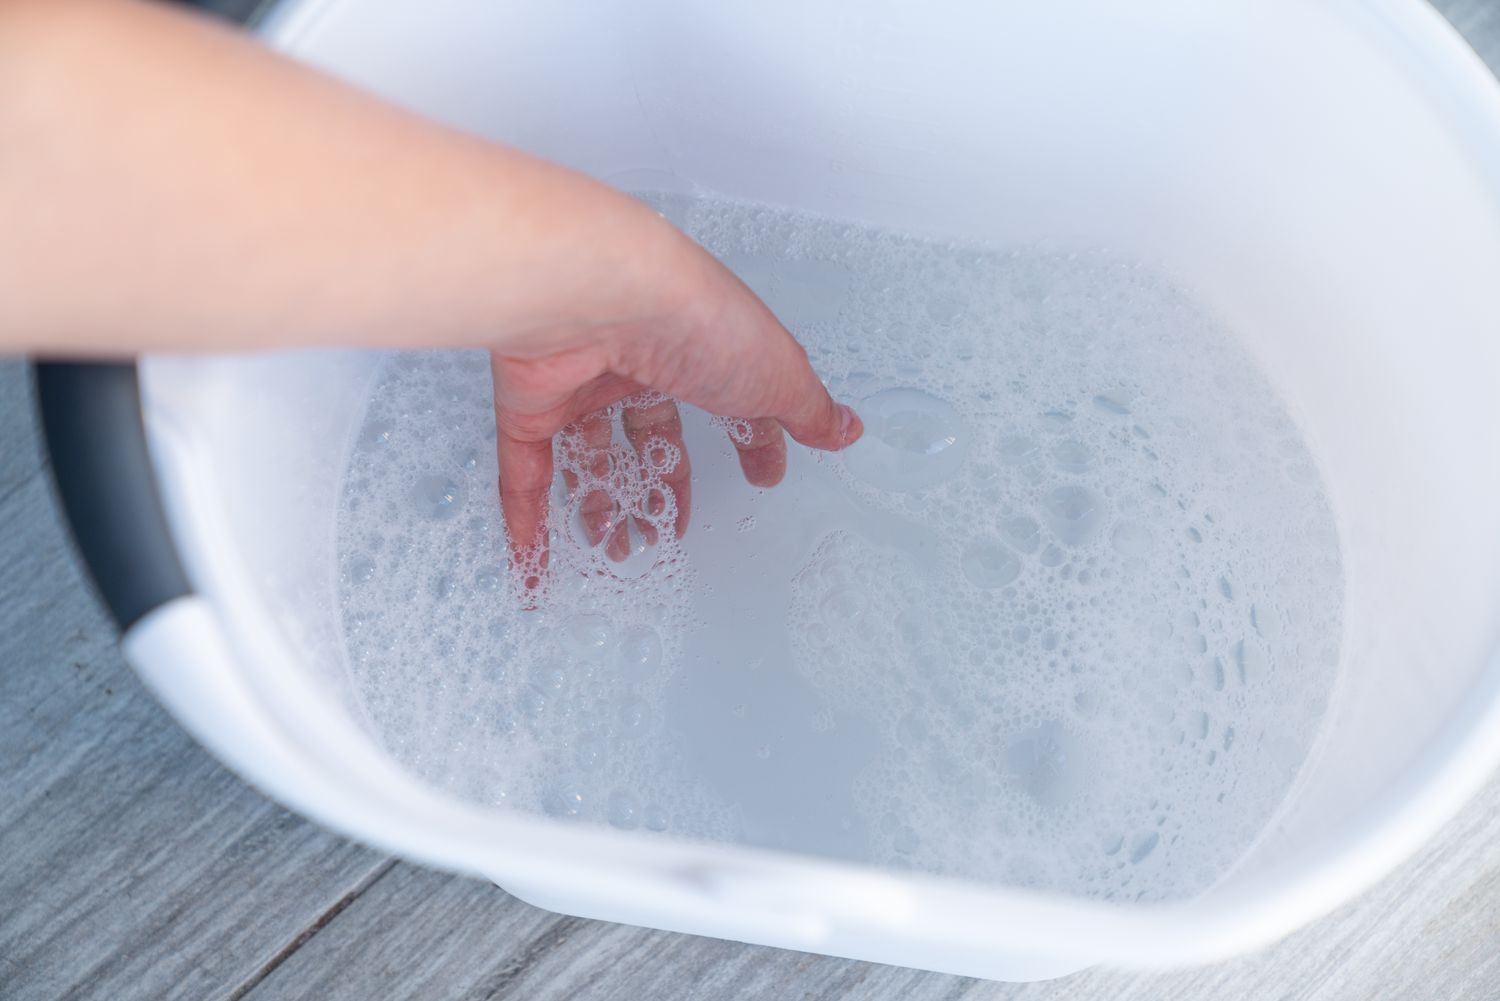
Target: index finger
<point>801,403</point>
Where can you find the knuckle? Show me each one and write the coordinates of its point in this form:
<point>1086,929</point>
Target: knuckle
<point>662,418</point>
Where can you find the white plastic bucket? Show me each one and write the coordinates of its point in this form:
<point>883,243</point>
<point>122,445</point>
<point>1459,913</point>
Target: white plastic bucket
<point>1325,175</point>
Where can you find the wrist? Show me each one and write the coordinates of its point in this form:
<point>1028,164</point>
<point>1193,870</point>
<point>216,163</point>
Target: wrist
<point>574,262</point>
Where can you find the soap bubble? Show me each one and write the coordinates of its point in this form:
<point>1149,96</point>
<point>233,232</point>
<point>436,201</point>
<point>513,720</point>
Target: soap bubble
<point>1021,532</point>
<point>912,440</point>
<point>990,564</point>
<point>1112,403</point>
<point>1072,456</point>
<point>1073,513</point>
<point>436,497</point>
<point>361,569</point>
<point>566,801</point>
<point>639,653</point>
<point>589,636</point>
<point>1131,539</point>
<point>623,810</point>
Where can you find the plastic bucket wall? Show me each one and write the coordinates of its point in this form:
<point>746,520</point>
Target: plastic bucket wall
<point>1326,176</point>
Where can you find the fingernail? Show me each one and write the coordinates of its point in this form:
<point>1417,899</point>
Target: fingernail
<point>850,426</point>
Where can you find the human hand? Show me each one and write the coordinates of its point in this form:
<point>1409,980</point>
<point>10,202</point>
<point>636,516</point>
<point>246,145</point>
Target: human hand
<point>711,343</point>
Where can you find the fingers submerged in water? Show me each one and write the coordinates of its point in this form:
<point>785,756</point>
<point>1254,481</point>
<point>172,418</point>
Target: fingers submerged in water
<point>654,430</point>
<point>652,424</point>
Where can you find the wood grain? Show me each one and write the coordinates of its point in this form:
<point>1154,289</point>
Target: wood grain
<point>1479,22</point>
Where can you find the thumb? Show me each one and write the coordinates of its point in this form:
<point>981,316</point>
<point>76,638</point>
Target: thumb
<point>809,414</point>
<point>732,356</point>
<point>774,366</point>
<point>791,391</point>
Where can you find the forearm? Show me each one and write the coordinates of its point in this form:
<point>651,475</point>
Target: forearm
<point>167,184</point>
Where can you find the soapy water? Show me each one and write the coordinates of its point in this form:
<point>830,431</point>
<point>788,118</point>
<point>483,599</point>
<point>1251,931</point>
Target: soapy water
<point>1066,617</point>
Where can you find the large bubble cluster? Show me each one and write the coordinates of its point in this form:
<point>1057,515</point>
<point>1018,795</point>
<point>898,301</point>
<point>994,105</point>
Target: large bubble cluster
<point>1070,618</point>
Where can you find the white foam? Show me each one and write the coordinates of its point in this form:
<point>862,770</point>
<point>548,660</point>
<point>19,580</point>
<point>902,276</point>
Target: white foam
<point>1065,618</point>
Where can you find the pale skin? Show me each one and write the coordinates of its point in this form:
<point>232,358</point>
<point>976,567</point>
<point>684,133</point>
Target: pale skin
<point>167,184</point>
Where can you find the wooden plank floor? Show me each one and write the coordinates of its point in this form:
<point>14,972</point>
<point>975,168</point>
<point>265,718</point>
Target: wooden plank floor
<point>132,866</point>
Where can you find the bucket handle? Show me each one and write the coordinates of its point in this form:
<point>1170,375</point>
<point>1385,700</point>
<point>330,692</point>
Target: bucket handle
<point>102,471</point>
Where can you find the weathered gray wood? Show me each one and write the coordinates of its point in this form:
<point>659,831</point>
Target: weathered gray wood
<point>131,864</point>
<point>1479,22</point>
